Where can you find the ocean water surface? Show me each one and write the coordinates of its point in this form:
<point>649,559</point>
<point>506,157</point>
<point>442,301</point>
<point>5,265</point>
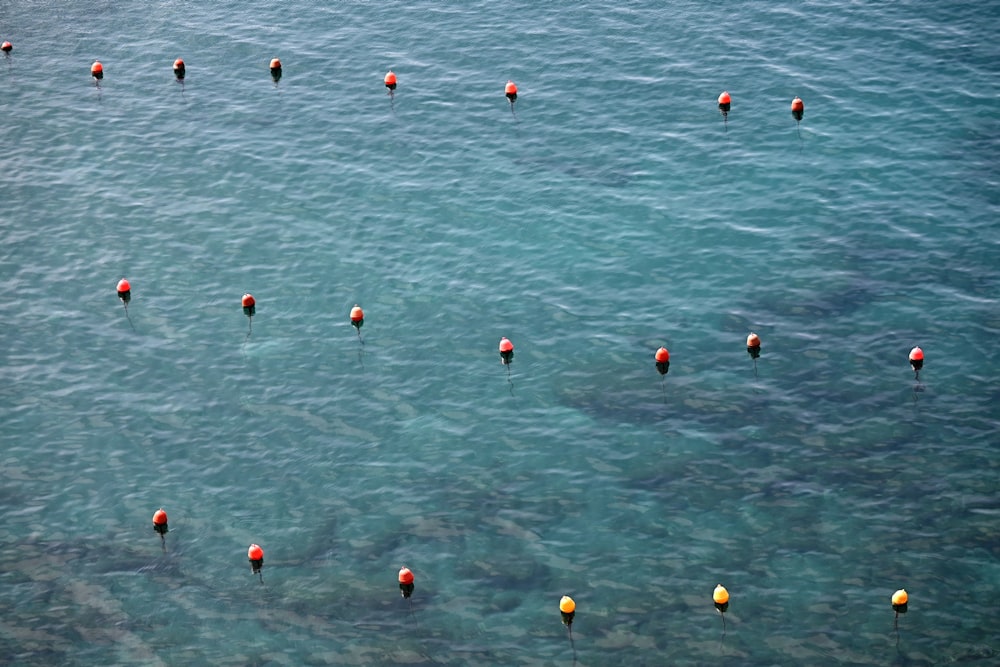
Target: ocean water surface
<point>612,210</point>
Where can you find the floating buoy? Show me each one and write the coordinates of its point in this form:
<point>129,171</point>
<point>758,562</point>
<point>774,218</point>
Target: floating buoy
<point>97,70</point>
<point>724,105</point>
<point>249,309</point>
<point>567,607</point>
<point>662,360</point>
<point>506,351</point>
<point>753,349</point>
<point>510,90</point>
<point>721,598</point>
<point>256,557</point>
<point>124,291</point>
<point>390,81</point>
<point>160,521</point>
<point>160,526</point>
<point>798,109</point>
<point>916,359</point>
<point>249,305</point>
<point>899,600</point>
<point>6,47</point>
<point>275,70</point>
<point>357,318</point>
<point>405,582</point>
<point>125,294</point>
<point>179,69</point>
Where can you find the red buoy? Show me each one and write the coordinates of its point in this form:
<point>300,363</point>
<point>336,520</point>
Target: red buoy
<point>798,109</point>
<point>275,70</point>
<point>753,345</point>
<point>405,582</point>
<point>510,90</point>
<point>179,69</point>
<point>6,47</point>
<point>916,361</point>
<point>256,557</point>
<point>390,81</point>
<point>357,317</point>
<point>662,357</point>
<point>160,521</point>
<point>506,351</point>
<point>97,70</point>
<point>249,305</point>
<point>124,291</point>
<point>160,526</point>
<point>724,103</point>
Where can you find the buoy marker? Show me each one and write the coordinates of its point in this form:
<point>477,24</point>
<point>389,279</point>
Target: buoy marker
<point>405,582</point>
<point>567,608</point>
<point>179,71</point>
<point>160,526</point>
<point>390,83</point>
<point>720,596</point>
<point>506,351</point>
<point>97,71</point>
<point>6,47</point>
<point>662,358</point>
<point>405,578</point>
<point>753,349</point>
<point>510,92</point>
<point>507,358</point>
<point>358,320</point>
<point>725,102</point>
<point>275,67</point>
<point>249,309</point>
<point>916,362</point>
<point>256,557</point>
<point>124,290</point>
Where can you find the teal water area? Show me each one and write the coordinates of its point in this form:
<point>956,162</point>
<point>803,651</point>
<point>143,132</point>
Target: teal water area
<point>610,212</point>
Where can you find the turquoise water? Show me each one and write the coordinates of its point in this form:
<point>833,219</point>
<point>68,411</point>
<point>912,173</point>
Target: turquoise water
<point>613,212</point>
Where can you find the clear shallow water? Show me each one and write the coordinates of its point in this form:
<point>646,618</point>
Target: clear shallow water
<point>612,214</point>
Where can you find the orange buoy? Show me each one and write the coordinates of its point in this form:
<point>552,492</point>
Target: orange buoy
<point>179,69</point>
<point>510,90</point>
<point>724,103</point>
<point>390,81</point>
<point>721,598</point>
<point>899,600</point>
<point>753,345</point>
<point>160,521</point>
<point>249,305</point>
<point>357,318</point>
<point>405,582</point>
<point>506,351</point>
<point>97,70</point>
<point>275,69</point>
<point>798,109</point>
<point>567,607</point>
<point>662,357</point>
<point>256,557</point>
<point>916,359</point>
<point>6,47</point>
<point>124,291</point>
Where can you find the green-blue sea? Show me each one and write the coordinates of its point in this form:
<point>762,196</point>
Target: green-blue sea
<point>609,211</point>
